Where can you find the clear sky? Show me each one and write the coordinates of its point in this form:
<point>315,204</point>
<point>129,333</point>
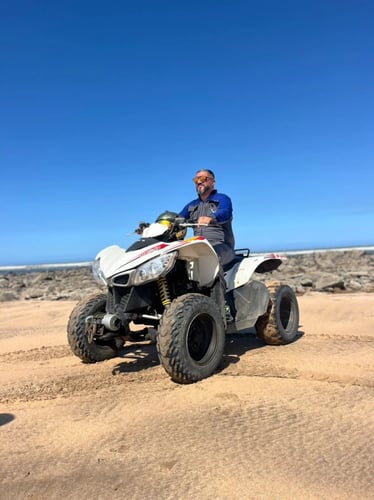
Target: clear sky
<point>107,109</point>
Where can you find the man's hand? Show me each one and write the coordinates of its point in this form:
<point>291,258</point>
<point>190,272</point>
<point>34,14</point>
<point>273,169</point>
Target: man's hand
<point>204,220</point>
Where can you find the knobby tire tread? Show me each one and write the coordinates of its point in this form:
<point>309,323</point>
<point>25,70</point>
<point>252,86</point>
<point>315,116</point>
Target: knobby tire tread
<point>267,325</point>
<point>169,342</point>
<point>88,353</point>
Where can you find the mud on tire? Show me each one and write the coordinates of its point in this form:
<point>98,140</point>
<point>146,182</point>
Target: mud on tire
<point>76,330</point>
<point>281,322</point>
<point>191,338</point>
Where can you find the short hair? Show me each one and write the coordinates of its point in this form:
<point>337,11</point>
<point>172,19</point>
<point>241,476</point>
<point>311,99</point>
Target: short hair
<point>210,172</point>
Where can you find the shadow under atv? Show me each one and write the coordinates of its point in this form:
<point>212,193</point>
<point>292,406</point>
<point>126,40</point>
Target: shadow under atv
<point>241,342</point>
<point>142,355</point>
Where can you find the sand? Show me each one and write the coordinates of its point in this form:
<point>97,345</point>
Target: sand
<point>289,422</point>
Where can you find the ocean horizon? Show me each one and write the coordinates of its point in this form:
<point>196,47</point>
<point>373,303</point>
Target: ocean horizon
<point>87,263</point>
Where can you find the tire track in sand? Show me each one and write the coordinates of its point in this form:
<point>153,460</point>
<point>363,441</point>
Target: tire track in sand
<point>57,373</point>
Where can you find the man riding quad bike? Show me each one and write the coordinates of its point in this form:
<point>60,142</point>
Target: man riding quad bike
<point>172,284</point>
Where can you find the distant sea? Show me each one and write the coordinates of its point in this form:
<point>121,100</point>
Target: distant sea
<point>43,267</point>
<point>71,265</point>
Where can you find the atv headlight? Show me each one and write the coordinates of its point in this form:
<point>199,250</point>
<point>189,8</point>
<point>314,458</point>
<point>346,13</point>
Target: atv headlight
<point>98,273</point>
<point>153,269</point>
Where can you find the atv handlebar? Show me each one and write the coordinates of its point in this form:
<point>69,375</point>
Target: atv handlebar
<point>181,222</point>
<point>192,224</point>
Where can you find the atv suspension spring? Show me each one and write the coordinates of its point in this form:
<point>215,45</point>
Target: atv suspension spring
<point>164,291</point>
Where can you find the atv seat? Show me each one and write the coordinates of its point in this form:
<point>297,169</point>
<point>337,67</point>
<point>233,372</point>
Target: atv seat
<point>240,254</point>
<point>231,264</point>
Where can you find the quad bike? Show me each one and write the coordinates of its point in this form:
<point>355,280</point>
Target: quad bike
<point>173,286</point>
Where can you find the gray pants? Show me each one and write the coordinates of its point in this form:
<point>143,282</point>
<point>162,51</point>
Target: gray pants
<point>225,253</point>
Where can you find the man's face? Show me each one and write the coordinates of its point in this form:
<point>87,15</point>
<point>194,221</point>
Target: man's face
<point>204,182</point>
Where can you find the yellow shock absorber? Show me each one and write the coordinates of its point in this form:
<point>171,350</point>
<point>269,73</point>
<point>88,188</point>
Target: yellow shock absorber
<point>164,291</point>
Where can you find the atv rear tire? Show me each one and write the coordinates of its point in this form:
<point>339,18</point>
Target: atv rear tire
<point>191,338</point>
<point>281,322</point>
<point>98,350</point>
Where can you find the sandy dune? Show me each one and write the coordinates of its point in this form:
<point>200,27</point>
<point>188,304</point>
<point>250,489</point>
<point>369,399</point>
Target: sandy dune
<point>286,422</point>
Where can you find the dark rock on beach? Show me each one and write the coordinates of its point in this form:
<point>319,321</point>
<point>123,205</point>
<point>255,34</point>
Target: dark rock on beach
<point>328,271</point>
<point>67,284</point>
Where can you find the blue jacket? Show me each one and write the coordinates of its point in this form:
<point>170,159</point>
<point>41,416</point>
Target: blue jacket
<point>218,206</point>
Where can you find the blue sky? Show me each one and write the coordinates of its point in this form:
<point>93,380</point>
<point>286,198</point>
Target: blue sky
<point>107,109</point>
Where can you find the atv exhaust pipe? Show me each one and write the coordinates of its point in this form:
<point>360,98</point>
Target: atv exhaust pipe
<point>111,322</point>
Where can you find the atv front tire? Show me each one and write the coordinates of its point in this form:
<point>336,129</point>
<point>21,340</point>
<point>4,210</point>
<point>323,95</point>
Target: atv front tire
<point>98,350</point>
<point>191,338</point>
<point>279,325</point>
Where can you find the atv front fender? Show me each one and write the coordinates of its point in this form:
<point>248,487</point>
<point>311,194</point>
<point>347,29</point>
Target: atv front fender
<point>203,264</point>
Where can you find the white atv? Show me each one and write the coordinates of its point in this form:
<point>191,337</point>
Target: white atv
<point>173,285</point>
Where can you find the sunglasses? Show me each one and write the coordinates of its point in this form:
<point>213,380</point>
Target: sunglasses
<point>201,178</point>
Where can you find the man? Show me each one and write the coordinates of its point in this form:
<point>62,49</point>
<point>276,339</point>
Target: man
<point>214,210</point>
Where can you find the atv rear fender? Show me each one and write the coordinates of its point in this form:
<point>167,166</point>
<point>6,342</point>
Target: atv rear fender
<point>242,271</point>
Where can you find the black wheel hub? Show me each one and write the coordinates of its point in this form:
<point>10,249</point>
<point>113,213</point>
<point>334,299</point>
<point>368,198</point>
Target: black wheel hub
<point>199,337</point>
